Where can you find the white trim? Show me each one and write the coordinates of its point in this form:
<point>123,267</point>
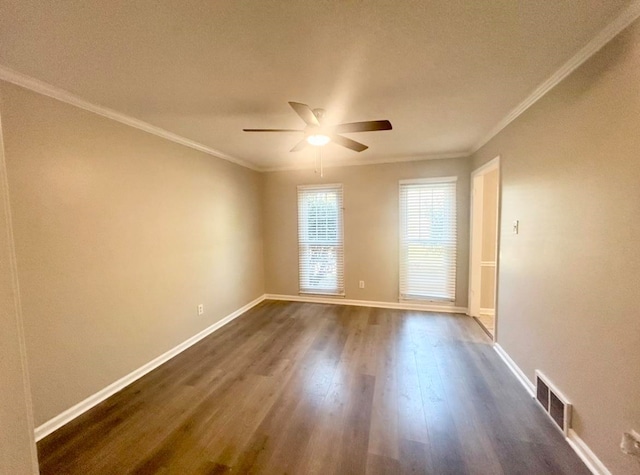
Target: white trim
<point>319,186</point>
<point>590,459</point>
<point>435,179</point>
<point>338,190</point>
<point>623,20</point>
<point>515,369</point>
<point>403,204</point>
<point>626,17</point>
<point>491,312</point>
<point>368,303</point>
<point>325,294</point>
<point>493,164</point>
<point>476,211</point>
<point>41,87</point>
<point>372,161</point>
<point>67,416</point>
<point>583,451</point>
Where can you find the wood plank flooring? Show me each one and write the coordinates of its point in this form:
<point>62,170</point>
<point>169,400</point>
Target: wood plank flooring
<point>320,389</point>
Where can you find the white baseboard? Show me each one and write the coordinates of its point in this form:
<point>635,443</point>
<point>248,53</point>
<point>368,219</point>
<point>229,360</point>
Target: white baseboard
<point>67,416</point>
<point>583,451</point>
<point>590,459</point>
<point>515,369</point>
<point>488,311</point>
<point>369,303</point>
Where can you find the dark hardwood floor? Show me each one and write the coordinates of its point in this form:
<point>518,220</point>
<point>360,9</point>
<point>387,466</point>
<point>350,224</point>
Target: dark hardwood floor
<point>309,388</point>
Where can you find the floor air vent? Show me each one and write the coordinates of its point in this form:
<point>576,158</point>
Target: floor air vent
<point>553,402</point>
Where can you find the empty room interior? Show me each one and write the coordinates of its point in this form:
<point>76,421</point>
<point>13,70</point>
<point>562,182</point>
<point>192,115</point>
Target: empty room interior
<point>320,237</point>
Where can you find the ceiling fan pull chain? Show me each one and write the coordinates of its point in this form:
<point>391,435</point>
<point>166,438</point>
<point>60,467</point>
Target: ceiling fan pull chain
<point>318,162</point>
<point>315,160</point>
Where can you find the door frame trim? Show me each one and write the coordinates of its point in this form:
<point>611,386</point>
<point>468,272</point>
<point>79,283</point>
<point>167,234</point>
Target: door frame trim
<point>475,238</point>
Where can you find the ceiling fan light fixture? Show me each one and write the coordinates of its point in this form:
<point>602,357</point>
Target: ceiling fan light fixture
<point>318,140</point>
<point>317,134</point>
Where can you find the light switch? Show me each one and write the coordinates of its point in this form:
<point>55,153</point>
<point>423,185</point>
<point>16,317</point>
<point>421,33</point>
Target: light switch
<point>516,227</point>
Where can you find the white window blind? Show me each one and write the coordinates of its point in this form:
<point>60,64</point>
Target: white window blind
<point>428,239</point>
<point>320,239</point>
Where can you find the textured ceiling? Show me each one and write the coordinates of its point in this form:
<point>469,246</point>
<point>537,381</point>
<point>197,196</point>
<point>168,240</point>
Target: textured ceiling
<point>444,72</point>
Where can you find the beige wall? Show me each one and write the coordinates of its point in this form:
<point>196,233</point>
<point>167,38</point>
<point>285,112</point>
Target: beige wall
<point>119,236</point>
<point>487,287</point>
<point>489,215</point>
<point>489,231</point>
<point>17,445</point>
<point>569,282</point>
<point>370,225</point>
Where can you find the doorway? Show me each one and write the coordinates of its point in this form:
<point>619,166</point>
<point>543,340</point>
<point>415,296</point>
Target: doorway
<point>483,268</point>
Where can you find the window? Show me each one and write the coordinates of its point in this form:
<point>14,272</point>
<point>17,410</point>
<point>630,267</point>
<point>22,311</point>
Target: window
<point>320,243</point>
<point>428,239</point>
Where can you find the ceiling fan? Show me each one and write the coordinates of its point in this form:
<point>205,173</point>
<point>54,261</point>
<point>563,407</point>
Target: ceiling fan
<point>319,134</point>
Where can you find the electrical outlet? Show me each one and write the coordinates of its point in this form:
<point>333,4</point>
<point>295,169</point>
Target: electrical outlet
<point>361,284</point>
<point>631,443</point>
<point>200,309</point>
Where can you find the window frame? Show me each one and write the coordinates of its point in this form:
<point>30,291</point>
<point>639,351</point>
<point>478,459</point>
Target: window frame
<point>401,236</point>
<point>340,290</point>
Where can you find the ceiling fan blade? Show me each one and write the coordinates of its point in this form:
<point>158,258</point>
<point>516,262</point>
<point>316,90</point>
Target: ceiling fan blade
<point>300,145</point>
<point>272,130</point>
<point>351,144</point>
<point>368,126</point>
<point>305,113</point>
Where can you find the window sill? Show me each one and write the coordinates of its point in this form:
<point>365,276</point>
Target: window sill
<point>444,303</point>
<point>323,294</point>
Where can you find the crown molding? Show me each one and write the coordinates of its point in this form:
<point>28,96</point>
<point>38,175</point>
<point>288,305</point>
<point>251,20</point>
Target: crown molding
<point>41,87</point>
<point>623,20</point>
<point>337,164</point>
<point>46,89</point>
<point>628,16</point>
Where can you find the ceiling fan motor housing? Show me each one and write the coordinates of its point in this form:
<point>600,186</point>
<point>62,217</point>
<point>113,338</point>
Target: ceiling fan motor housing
<point>316,133</point>
<point>319,113</point>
